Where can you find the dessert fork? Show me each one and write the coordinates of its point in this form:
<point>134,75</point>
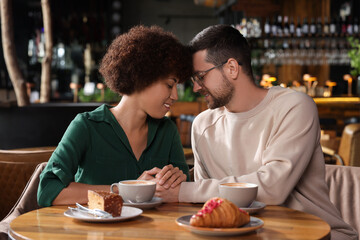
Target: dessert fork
<point>95,212</point>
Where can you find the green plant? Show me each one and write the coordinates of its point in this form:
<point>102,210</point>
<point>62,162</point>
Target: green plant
<point>354,54</point>
<point>109,96</point>
<point>188,95</point>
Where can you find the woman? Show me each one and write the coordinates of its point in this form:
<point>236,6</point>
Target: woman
<point>132,140</point>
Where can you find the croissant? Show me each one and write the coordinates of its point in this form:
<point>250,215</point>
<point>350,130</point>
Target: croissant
<point>219,213</point>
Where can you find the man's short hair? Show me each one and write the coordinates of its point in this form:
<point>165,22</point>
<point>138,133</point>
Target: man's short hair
<point>223,42</point>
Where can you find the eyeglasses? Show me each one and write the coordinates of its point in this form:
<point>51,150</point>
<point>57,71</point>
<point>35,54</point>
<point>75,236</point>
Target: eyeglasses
<point>199,76</point>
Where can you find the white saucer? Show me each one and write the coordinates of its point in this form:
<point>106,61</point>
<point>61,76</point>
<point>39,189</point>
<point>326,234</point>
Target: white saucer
<point>126,213</point>
<point>155,201</point>
<point>254,224</point>
<point>255,207</point>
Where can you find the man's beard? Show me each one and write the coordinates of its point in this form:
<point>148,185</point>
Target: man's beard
<point>221,96</point>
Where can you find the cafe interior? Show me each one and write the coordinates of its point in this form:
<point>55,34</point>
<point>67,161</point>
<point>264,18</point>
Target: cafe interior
<point>309,46</point>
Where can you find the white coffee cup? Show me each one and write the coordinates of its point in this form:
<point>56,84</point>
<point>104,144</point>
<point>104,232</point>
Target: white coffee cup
<point>136,191</point>
<point>241,194</point>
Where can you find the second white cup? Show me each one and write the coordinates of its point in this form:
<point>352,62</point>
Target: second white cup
<point>241,194</point>
<point>135,191</point>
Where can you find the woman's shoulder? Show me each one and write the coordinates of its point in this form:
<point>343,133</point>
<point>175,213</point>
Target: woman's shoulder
<point>98,114</point>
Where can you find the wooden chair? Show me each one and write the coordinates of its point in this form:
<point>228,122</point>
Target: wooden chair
<point>348,153</point>
<point>184,127</point>
<point>344,192</point>
<point>25,203</point>
<point>27,155</point>
<point>16,168</point>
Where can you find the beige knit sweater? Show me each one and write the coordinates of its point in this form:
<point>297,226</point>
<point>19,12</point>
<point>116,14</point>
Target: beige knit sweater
<point>275,145</point>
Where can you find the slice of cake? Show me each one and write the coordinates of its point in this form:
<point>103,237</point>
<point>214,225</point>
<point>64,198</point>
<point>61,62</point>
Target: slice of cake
<point>106,201</point>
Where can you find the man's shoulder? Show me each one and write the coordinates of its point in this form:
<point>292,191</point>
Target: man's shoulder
<point>208,118</point>
<point>285,101</point>
<point>285,96</point>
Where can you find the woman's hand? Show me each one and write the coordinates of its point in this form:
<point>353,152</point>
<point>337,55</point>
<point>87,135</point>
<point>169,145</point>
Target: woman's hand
<point>170,177</point>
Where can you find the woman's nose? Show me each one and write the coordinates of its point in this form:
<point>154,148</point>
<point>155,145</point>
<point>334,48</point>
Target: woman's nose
<point>174,93</point>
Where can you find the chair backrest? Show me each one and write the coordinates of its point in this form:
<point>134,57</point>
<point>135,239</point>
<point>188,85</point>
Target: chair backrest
<point>184,127</point>
<point>25,203</point>
<point>16,168</point>
<point>349,148</point>
<point>37,156</point>
<point>344,192</point>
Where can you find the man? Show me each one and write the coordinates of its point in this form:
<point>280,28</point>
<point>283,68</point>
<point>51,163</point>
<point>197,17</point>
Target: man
<point>270,137</point>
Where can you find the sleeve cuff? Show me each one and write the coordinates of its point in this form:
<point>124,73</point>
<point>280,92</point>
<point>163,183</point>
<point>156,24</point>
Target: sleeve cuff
<point>199,191</point>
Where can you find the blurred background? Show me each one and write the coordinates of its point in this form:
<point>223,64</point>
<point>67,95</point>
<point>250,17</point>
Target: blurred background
<point>288,38</point>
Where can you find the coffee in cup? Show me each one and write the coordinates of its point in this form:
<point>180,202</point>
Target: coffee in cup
<point>241,194</point>
<point>135,191</point>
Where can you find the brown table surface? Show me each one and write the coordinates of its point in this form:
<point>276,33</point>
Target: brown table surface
<point>159,223</point>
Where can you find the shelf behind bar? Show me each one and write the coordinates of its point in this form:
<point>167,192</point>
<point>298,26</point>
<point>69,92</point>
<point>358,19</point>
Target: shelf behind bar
<point>325,100</point>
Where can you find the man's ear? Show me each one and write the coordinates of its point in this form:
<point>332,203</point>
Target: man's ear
<point>233,68</point>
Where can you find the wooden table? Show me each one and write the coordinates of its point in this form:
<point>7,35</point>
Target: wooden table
<point>159,223</point>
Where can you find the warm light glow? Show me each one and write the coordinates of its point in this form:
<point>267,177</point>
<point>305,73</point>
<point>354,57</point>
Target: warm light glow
<point>347,77</point>
<point>330,84</point>
<point>306,77</point>
<point>337,100</point>
<point>271,79</point>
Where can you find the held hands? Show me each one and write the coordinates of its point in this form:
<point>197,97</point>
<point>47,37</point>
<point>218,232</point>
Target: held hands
<point>166,177</point>
<point>168,195</point>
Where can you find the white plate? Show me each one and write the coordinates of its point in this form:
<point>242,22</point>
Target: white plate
<point>126,213</point>
<point>255,207</point>
<point>254,224</point>
<point>155,201</point>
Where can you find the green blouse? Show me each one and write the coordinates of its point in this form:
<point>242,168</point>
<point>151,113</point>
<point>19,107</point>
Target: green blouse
<point>95,150</point>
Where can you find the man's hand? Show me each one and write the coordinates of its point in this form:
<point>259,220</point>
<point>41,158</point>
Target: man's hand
<point>170,177</point>
<point>168,195</point>
<point>149,174</point>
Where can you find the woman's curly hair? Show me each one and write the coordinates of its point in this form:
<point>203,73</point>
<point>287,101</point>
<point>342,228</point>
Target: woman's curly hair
<point>142,56</point>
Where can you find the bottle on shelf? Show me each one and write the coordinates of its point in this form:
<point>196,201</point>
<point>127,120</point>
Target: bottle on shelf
<point>298,29</point>
<point>256,31</point>
<point>332,27</point>
<point>318,27</point>
<point>249,28</point>
<point>267,28</point>
<point>305,27</point>
<point>326,28</point>
<point>243,30</point>
<point>343,27</point>
<point>292,27</point>
<point>356,27</point>
<point>279,27</point>
<point>312,29</point>
<point>274,27</point>
<point>338,27</point>
<point>286,28</point>
<point>349,27</point>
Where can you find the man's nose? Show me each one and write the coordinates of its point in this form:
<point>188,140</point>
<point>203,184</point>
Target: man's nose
<point>196,87</point>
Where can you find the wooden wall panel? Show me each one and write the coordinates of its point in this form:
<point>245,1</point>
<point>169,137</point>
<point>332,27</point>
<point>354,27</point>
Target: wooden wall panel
<point>258,8</point>
<point>295,8</point>
<point>305,8</point>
